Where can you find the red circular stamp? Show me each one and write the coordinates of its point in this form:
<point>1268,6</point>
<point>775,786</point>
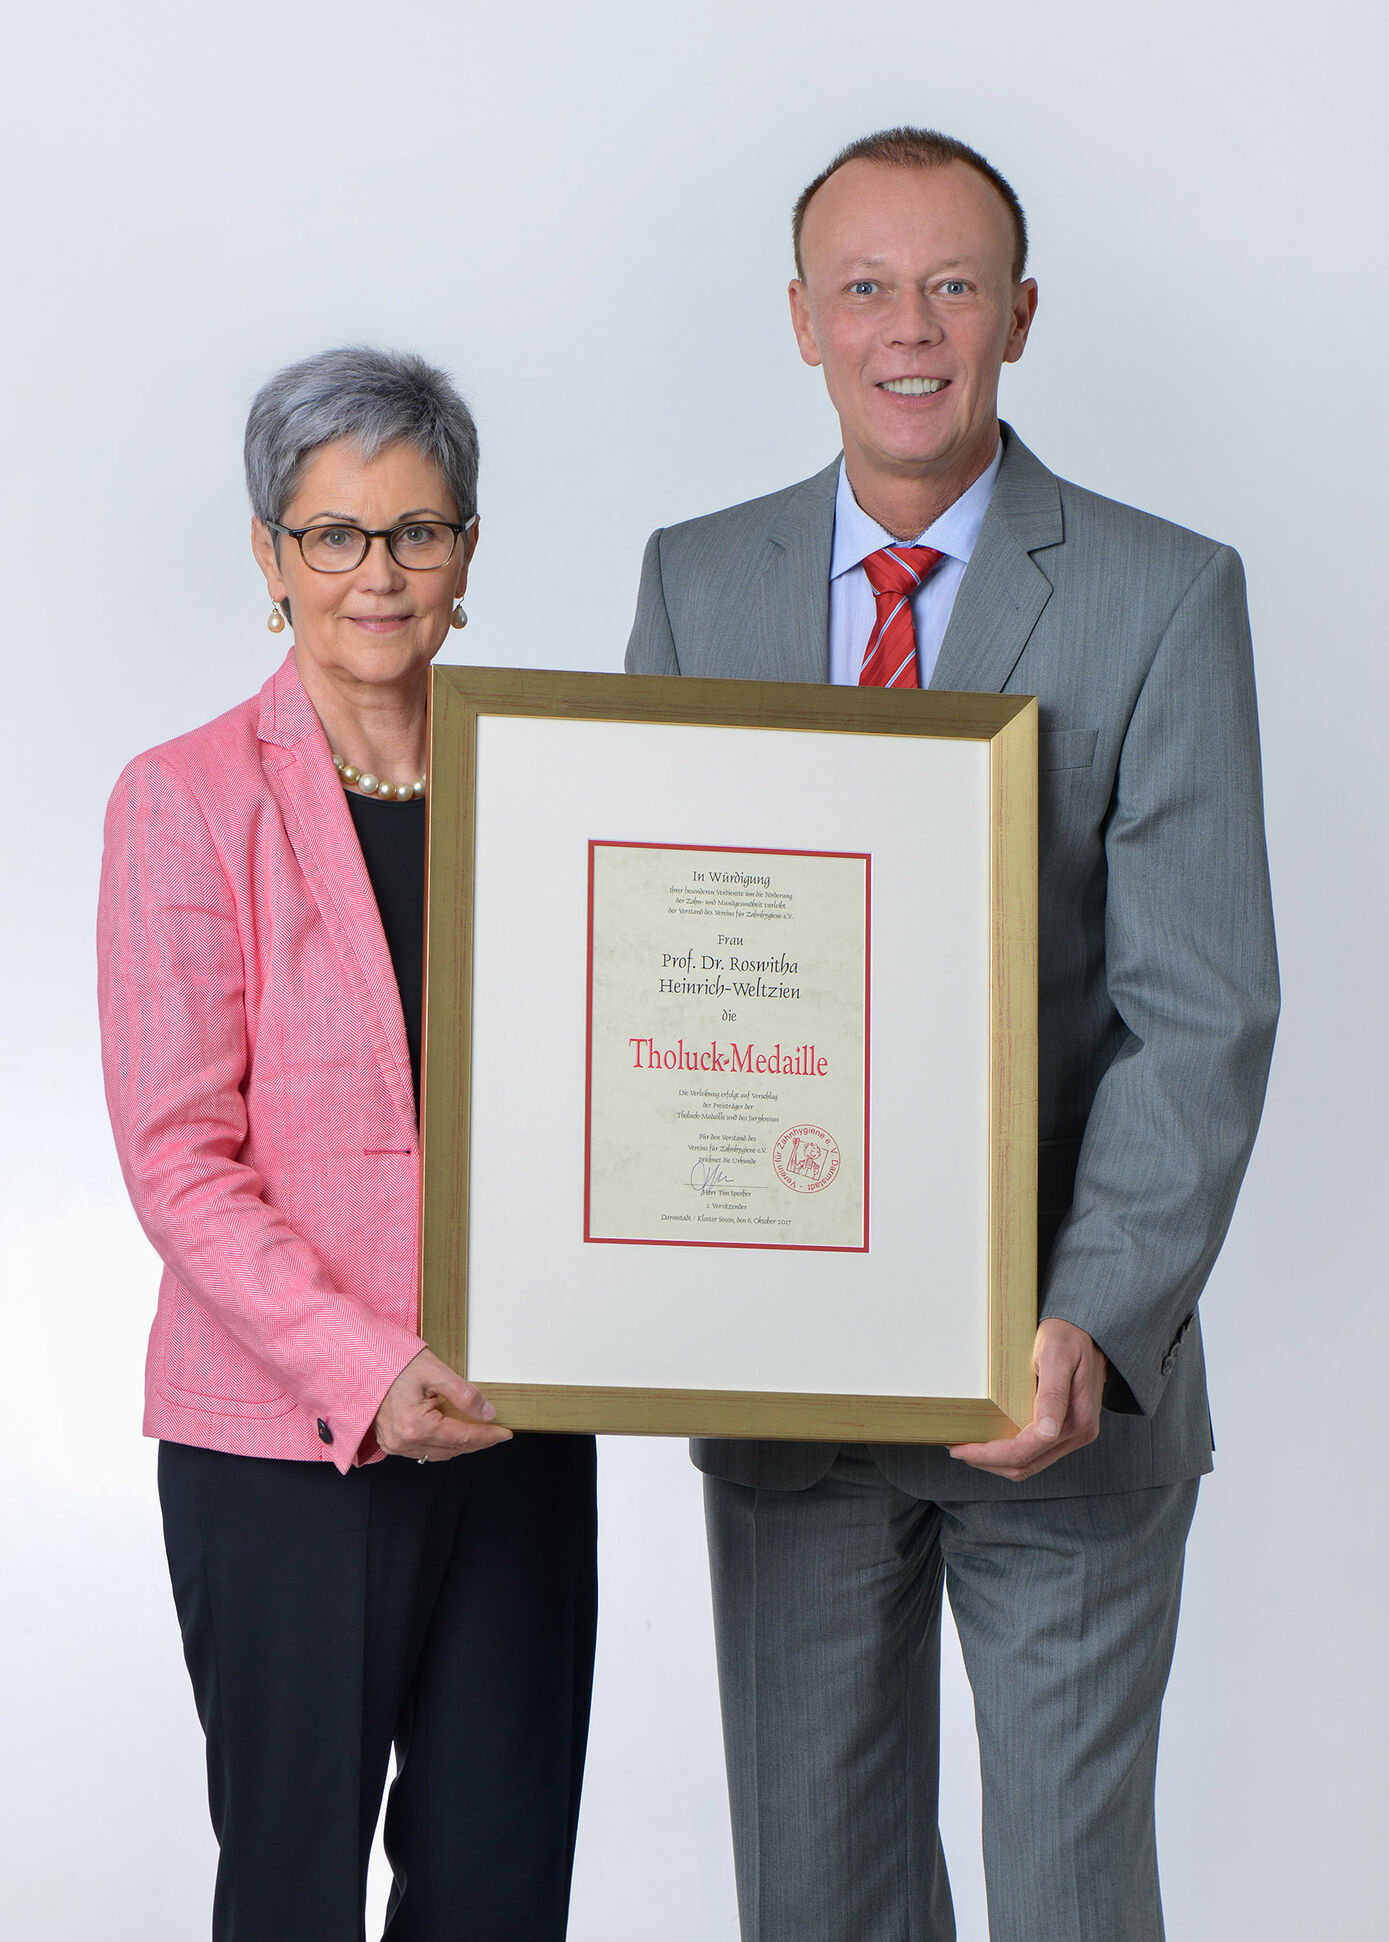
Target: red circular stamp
<point>806,1159</point>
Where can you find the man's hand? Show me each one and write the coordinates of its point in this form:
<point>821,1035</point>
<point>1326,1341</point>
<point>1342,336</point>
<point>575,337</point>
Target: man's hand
<point>1066,1414</point>
<point>429,1412</point>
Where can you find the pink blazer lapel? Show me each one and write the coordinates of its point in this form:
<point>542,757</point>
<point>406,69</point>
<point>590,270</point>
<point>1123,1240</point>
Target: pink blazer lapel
<point>299,770</point>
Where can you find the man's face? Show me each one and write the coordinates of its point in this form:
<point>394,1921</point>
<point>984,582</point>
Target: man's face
<point>908,303</point>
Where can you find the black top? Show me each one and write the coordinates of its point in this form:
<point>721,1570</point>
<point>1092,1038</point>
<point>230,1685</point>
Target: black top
<point>392,838</point>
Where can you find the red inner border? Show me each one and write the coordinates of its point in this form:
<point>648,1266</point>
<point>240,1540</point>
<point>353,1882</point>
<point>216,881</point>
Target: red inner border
<point>722,849</point>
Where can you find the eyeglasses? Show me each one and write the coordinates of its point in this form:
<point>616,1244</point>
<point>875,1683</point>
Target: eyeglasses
<point>417,544</point>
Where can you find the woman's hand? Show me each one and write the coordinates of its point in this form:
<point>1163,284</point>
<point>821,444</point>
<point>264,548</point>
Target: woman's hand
<point>431,1414</point>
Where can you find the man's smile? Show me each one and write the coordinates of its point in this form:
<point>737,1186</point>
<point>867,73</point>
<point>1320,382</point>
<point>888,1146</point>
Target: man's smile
<point>913,387</point>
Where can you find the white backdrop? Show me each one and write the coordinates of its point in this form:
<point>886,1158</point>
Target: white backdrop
<point>582,212</point>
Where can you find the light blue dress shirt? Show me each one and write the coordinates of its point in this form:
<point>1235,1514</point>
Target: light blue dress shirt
<point>852,610</point>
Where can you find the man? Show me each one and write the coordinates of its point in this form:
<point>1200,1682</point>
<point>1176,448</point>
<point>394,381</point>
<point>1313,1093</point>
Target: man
<point>940,551</point>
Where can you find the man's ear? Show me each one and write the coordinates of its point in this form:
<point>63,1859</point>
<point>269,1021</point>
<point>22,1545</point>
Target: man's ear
<point>1024,310</point>
<point>800,321</point>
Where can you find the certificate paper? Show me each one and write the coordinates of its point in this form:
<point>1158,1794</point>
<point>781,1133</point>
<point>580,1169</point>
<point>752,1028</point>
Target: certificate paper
<point>727,1047</point>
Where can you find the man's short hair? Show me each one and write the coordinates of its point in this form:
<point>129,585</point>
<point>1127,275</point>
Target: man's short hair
<point>916,148</point>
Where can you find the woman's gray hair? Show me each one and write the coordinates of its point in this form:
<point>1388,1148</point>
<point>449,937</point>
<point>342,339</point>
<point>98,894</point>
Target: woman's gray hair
<point>372,397</point>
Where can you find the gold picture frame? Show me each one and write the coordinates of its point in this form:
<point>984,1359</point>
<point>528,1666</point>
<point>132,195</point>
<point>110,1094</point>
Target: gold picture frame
<point>481,1278</point>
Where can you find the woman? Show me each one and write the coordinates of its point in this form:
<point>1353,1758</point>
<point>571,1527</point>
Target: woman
<point>360,1554</point>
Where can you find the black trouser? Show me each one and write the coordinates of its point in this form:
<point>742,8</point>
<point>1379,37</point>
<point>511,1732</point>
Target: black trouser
<point>448,1607</point>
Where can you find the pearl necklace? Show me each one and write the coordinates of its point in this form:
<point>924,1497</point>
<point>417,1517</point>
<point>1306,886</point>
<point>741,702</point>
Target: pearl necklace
<point>370,785</point>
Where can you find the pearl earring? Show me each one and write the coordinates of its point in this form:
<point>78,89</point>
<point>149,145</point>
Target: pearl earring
<point>458,618</point>
<point>276,622</point>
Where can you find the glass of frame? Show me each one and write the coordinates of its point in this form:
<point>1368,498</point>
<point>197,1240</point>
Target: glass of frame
<point>729,1106</point>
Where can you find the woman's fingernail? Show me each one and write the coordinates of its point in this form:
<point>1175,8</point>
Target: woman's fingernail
<point>488,1412</point>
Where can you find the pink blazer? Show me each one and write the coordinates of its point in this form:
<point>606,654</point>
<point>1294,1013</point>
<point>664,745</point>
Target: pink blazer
<point>258,1080</point>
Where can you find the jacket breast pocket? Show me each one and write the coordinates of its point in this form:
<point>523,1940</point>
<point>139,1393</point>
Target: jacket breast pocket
<point>1066,748</point>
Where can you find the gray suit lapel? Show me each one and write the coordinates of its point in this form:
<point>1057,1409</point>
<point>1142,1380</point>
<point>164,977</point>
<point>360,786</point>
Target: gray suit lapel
<point>788,621</point>
<point>1004,591</point>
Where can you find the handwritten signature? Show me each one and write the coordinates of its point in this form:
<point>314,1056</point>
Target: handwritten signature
<point>705,1175</point>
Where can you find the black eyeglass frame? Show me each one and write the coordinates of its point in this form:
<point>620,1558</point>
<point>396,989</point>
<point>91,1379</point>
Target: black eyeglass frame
<point>369,533</point>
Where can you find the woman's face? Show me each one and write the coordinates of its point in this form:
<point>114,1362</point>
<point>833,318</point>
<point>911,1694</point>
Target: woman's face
<point>380,624</point>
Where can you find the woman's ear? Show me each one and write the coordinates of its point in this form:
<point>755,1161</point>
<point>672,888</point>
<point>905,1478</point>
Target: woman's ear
<point>468,548</point>
<point>267,559</point>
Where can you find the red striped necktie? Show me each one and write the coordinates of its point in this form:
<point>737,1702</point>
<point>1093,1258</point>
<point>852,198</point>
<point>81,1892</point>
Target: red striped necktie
<point>895,573</point>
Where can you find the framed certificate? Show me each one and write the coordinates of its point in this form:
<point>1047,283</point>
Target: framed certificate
<point>729,1115</point>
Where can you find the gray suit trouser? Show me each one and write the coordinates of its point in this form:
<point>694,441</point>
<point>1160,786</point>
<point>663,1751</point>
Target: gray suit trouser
<point>827,1611</point>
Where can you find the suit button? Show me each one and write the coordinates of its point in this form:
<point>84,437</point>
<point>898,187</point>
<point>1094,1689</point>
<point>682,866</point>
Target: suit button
<point>325,1435</point>
<point>1169,1362</point>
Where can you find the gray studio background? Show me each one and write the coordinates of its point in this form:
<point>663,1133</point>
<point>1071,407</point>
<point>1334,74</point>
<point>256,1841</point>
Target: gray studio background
<point>582,213</point>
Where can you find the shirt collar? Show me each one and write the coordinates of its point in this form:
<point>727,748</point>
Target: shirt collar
<point>954,533</point>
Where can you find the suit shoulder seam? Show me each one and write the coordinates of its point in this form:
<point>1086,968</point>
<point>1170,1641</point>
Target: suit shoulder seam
<point>1070,489</point>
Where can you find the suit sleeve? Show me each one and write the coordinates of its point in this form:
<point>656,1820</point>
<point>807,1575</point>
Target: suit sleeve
<point>1192,974</point>
<point>651,648</point>
<point>174,1051</point>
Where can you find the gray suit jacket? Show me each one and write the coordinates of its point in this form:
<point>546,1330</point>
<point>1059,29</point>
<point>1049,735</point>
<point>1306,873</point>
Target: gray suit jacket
<point>1158,979</point>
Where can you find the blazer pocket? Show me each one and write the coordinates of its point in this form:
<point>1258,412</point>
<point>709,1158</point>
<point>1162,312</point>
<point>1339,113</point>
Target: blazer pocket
<point>1067,748</point>
<point>202,1367</point>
